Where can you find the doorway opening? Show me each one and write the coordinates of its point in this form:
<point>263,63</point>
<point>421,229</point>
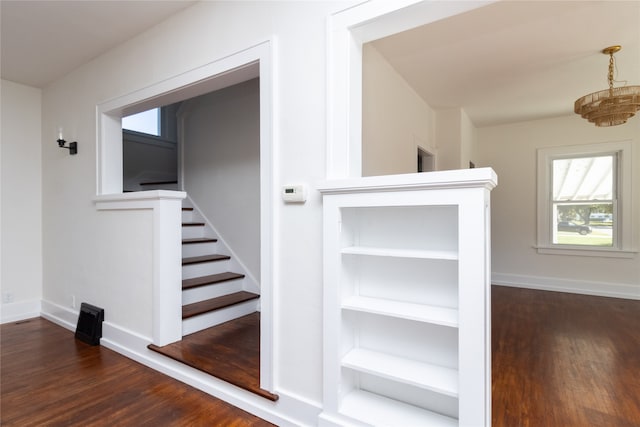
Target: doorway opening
<point>426,161</point>
<point>243,66</point>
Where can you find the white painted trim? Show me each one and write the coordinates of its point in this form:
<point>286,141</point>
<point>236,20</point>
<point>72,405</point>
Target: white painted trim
<point>257,60</point>
<point>226,71</point>
<point>624,231</point>
<point>450,179</point>
<point>19,310</point>
<point>585,287</point>
<point>59,315</point>
<point>146,199</point>
<point>347,31</point>
<point>268,220</point>
<point>585,251</point>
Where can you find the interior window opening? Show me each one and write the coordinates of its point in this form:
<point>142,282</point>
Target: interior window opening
<point>147,122</point>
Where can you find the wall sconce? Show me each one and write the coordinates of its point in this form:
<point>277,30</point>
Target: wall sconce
<point>72,147</point>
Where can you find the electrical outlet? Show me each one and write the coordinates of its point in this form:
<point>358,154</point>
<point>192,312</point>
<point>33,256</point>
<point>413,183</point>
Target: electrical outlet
<point>7,297</point>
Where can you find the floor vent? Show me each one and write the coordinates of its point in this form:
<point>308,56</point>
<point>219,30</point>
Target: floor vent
<point>89,327</point>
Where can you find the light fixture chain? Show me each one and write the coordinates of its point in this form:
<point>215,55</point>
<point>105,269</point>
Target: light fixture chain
<point>611,66</point>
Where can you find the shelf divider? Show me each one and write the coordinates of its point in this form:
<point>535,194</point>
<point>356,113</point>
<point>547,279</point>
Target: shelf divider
<point>378,410</point>
<point>404,310</point>
<point>401,253</point>
<point>419,374</point>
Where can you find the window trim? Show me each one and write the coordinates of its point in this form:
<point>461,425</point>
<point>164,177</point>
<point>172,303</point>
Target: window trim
<point>623,243</point>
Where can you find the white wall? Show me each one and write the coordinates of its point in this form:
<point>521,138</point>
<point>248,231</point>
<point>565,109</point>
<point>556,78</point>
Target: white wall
<point>221,149</point>
<point>456,139</point>
<point>120,282</point>
<point>395,120</point>
<point>21,265</point>
<point>448,124</point>
<point>511,151</point>
<point>468,140</point>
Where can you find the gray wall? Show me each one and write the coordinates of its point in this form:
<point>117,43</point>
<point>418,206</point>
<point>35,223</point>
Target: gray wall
<point>221,137</point>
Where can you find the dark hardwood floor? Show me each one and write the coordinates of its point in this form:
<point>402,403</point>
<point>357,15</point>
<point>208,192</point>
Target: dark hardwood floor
<point>559,360</point>
<point>48,378</point>
<point>564,360</point>
<point>230,351</point>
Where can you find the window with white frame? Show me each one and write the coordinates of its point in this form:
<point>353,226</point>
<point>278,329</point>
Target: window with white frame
<point>584,199</point>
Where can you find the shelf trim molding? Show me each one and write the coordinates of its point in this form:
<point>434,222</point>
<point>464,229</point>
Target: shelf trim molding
<point>465,178</point>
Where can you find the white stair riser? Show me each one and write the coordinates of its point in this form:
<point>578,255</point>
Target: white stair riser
<point>215,290</point>
<point>192,232</point>
<point>197,249</point>
<point>207,320</point>
<point>187,216</point>
<point>204,269</point>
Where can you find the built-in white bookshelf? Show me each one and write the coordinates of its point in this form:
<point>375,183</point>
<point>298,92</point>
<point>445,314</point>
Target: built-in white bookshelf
<point>407,300</point>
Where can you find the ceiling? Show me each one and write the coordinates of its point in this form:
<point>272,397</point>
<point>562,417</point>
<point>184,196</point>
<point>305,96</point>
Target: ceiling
<point>508,61</point>
<point>518,60</point>
<point>41,41</point>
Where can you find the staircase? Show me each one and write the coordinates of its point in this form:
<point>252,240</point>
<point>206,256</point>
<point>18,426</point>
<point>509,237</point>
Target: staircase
<point>215,288</point>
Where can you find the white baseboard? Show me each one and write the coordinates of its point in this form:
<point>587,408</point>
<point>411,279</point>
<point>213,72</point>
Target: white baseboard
<point>63,316</point>
<point>613,290</point>
<point>19,310</point>
<point>289,410</point>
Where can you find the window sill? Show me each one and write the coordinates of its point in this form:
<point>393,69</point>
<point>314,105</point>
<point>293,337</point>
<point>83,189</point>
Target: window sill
<point>578,251</point>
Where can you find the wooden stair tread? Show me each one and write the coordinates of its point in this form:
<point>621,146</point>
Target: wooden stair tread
<point>199,240</point>
<point>201,307</point>
<point>187,209</point>
<point>209,280</point>
<point>193,224</point>
<point>158,182</point>
<point>204,258</point>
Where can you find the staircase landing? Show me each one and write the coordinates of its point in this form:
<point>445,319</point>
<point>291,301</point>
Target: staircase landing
<point>230,351</point>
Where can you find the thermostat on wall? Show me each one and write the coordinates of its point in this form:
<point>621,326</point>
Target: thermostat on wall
<point>294,193</point>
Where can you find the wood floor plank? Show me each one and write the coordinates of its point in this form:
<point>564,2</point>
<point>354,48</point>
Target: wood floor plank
<point>230,351</point>
<point>564,359</point>
<point>48,378</point>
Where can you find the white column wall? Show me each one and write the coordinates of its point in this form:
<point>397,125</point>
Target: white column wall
<point>395,120</point>
<point>21,182</point>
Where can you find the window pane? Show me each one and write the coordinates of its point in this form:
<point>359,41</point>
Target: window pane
<point>583,224</point>
<point>146,122</point>
<point>584,178</point>
<point>583,197</point>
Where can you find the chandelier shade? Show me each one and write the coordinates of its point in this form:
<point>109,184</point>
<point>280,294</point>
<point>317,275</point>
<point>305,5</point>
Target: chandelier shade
<point>609,107</point>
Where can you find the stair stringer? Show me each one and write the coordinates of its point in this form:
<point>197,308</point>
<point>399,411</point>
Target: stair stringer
<point>250,283</point>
